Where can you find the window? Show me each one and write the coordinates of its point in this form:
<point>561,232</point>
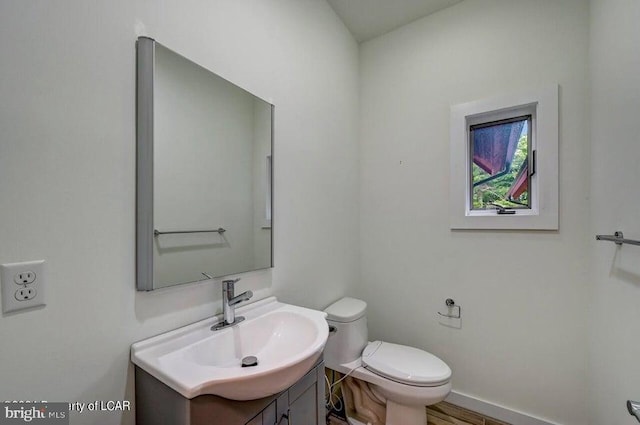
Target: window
<point>499,161</point>
<point>504,162</point>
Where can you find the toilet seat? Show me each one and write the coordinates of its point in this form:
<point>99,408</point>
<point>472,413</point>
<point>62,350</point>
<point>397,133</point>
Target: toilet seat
<point>407,365</point>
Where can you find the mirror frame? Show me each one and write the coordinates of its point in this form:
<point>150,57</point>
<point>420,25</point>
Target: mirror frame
<point>145,69</point>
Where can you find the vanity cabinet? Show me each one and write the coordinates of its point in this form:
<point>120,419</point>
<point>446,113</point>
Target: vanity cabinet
<point>300,404</point>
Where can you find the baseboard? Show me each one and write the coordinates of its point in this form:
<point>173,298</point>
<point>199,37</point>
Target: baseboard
<point>494,411</point>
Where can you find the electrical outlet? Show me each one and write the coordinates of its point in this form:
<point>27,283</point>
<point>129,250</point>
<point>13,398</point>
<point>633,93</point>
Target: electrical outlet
<point>24,278</point>
<point>25,294</point>
<point>23,285</point>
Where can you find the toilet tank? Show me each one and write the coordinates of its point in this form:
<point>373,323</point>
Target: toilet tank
<point>348,317</point>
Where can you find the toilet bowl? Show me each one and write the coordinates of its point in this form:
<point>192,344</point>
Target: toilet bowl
<point>405,378</point>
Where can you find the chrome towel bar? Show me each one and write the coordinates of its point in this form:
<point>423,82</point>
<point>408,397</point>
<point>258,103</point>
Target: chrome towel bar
<point>634,409</point>
<point>617,238</point>
<point>219,230</point>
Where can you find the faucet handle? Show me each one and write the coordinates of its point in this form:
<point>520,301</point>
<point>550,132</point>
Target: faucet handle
<point>227,281</point>
<point>228,286</point>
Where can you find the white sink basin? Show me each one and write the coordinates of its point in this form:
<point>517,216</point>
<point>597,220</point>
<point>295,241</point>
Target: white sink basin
<point>287,341</point>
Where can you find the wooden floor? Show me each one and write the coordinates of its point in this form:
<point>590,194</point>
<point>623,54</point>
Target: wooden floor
<point>448,414</point>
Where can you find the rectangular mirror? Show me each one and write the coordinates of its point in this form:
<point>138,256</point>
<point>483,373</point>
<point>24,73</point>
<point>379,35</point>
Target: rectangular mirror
<point>204,172</point>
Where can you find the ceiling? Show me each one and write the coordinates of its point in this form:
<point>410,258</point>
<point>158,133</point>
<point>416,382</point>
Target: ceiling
<point>367,19</point>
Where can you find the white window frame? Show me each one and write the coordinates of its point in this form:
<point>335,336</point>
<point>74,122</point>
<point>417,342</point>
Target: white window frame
<point>542,105</point>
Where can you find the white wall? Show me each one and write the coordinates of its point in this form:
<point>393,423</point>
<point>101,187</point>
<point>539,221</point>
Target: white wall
<point>67,173</point>
<point>523,294</point>
<point>614,367</point>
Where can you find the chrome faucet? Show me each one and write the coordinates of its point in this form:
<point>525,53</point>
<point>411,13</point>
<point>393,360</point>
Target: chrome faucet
<point>229,301</point>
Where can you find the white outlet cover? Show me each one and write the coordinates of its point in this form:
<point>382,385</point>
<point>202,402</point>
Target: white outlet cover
<point>11,286</point>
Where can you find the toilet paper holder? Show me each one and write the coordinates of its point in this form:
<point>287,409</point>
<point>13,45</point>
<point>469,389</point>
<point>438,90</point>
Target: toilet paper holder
<point>454,311</point>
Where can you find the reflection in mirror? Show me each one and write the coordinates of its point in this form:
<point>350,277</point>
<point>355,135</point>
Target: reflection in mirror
<point>208,162</point>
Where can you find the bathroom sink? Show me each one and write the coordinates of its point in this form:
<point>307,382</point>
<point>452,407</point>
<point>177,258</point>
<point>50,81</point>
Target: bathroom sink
<point>286,340</point>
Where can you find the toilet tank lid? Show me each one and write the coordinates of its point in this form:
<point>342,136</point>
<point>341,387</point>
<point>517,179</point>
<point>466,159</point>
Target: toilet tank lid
<point>346,310</point>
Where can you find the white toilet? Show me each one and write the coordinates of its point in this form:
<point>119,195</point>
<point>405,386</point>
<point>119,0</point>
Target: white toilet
<point>405,378</point>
